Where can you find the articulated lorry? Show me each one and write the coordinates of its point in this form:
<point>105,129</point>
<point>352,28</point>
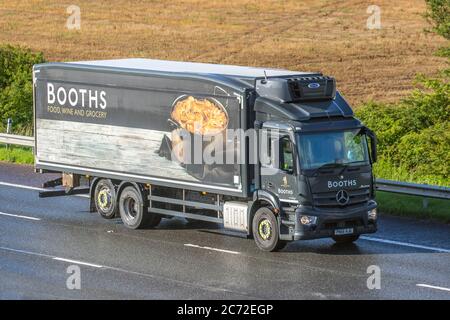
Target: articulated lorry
<point>272,154</point>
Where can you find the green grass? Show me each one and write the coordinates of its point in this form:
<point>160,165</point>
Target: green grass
<point>15,154</point>
<point>412,206</point>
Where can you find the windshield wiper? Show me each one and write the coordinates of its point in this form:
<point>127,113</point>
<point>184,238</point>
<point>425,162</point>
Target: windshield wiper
<point>331,165</point>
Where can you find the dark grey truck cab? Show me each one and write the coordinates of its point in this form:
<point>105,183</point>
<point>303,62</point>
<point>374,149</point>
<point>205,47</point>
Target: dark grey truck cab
<point>323,179</point>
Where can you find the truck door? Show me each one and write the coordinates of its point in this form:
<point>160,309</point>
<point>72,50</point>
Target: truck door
<point>278,171</point>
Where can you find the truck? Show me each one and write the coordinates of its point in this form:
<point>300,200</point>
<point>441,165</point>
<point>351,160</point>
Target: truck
<point>271,154</point>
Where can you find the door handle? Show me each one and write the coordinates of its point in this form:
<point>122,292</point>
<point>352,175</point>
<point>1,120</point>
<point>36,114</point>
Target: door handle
<point>269,185</point>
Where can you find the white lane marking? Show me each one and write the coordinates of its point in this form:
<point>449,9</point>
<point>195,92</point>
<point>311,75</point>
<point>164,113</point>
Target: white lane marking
<point>51,257</point>
<point>432,287</point>
<point>14,185</point>
<point>406,244</point>
<point>209,248</point>
<point>7,184</point>
<point>78,262</point>
<point>26,252</point>
<point>19,216</point>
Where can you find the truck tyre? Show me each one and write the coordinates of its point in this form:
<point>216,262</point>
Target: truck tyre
<point>105,198</point>
<point>346,239</point>
<point>265,230</point>
<point>133,210</point>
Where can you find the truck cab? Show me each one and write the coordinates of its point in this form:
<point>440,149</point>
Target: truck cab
<point>319,167</point>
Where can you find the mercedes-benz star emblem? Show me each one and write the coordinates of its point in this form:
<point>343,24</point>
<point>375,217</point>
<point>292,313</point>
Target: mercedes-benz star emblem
<point>342,197</point>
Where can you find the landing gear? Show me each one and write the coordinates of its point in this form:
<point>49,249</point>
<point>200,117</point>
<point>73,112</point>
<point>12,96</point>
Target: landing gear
<point>265,230</point>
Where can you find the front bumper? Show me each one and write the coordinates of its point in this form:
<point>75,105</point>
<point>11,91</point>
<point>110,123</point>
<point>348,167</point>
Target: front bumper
<point>327,222</point>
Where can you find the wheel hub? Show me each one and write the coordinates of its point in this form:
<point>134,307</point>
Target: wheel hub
<point>104,198</point>
<point>131,208</point>
<point>265,229</point>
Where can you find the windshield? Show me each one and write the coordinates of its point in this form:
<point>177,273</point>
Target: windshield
<point>332,148</point>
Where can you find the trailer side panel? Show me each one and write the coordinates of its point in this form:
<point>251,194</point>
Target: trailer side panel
<point>98,122</point>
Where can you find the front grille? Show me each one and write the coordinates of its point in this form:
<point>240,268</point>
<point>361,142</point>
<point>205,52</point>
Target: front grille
<point>328,199</point>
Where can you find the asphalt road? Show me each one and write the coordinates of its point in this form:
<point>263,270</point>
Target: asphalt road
<point>41,238</point>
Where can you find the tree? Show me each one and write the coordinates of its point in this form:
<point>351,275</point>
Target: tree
<point>16,85</point>
<point>438,14</point>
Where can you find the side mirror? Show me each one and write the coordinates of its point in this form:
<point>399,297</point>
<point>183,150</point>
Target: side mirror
<point>373,144</point>
<point>288,171</point>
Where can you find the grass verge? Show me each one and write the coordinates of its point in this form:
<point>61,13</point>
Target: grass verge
<point>22,155</point>
<point>412,206</point>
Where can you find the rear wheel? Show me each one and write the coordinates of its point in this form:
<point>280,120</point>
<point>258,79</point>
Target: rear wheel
<point>265,230</point>
<point>346,239</point>
<point>133,210</point>
<point>106,198</point>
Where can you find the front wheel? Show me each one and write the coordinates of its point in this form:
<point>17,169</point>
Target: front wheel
<point>346,239</point>
<point>265,230</point>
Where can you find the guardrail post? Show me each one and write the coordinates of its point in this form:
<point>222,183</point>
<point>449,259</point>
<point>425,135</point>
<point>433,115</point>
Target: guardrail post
<point>425,203</point>
<point>8,131</point>
<point>9,126</point>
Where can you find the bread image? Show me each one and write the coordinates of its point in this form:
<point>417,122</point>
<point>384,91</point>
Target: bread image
<point>200,116</point>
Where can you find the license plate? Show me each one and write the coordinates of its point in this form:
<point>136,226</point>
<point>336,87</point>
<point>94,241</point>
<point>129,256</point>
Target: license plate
<point>340,232</point>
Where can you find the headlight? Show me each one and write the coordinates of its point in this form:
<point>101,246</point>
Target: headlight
<point>372,214</point>
<point>308,220</point>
